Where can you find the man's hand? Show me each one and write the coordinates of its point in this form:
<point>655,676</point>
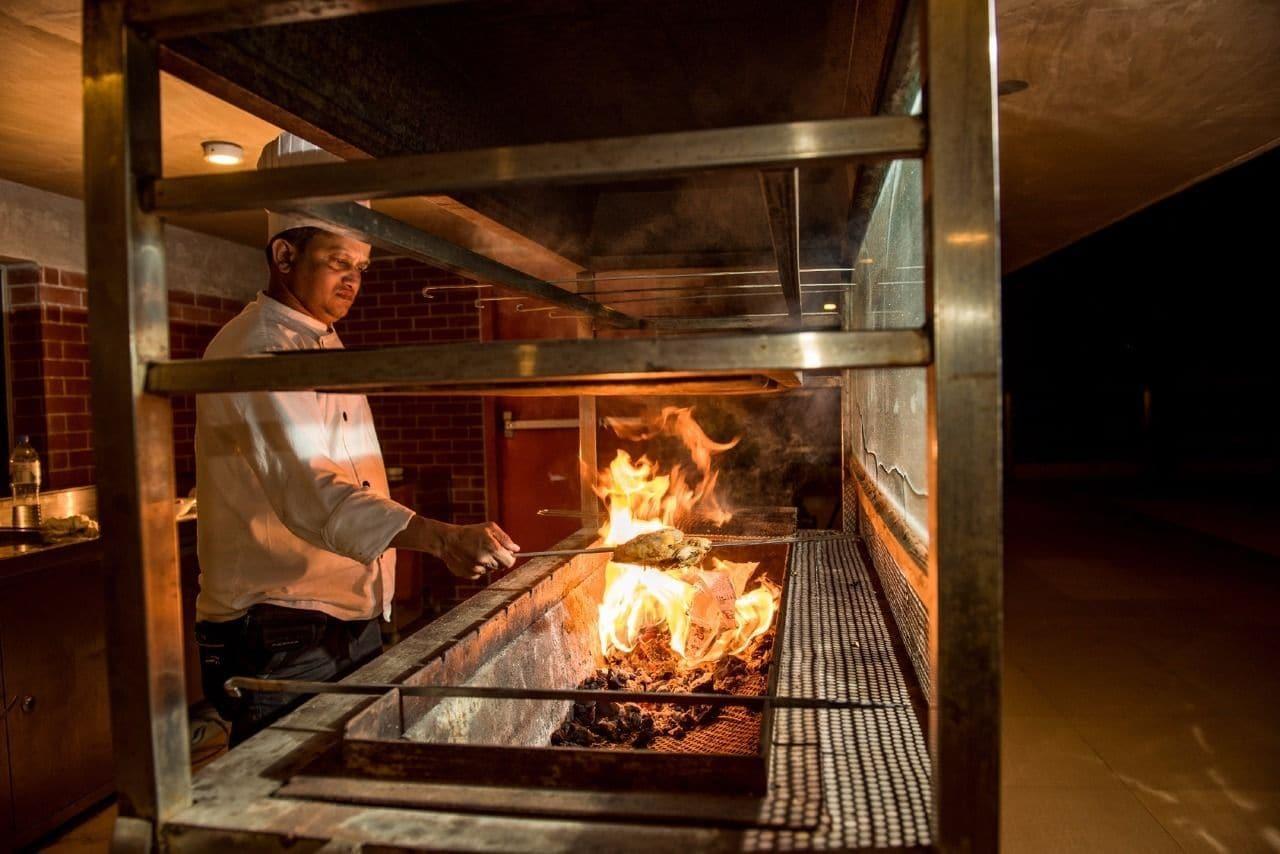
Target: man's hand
<point>469,551</point>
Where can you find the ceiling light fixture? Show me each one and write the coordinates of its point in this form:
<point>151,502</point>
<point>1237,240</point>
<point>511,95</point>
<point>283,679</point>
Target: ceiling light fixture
<point>222,153</point>
<point>829,306</point>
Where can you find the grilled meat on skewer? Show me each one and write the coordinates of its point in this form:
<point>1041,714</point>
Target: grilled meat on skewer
<point>667,547</point>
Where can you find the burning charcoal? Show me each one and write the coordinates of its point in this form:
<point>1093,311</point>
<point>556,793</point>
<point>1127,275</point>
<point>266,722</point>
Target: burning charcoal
<point>676,731</point>
<point>579,735</point>
<point>642,740</point>
<point>584,713</point>
<point>703,684</point>
<point>613,680</point>
<point>557,738</point>
<point>608,730</point>
<point>730,665</point>
<point>705,714</point>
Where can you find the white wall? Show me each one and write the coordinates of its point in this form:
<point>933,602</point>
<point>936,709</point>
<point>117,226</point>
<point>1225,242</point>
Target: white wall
<point>49,229</point>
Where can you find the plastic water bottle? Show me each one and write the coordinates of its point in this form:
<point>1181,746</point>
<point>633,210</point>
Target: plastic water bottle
<point>24,479</point>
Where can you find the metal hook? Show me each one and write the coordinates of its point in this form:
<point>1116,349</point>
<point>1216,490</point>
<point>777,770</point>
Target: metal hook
<point>427,291</point>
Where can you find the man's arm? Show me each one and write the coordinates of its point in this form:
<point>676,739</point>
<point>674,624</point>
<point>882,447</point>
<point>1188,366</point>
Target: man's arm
<point>468,550</point>
<point>283,438</point>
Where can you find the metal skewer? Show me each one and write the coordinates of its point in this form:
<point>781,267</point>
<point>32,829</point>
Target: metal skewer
<point>761,542</point>
<point>237,684</point>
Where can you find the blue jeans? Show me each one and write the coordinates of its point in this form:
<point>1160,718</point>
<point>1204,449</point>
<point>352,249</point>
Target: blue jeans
<point>271,642</point>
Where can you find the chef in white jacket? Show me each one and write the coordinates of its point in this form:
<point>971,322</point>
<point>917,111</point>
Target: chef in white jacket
<point>297,531</point>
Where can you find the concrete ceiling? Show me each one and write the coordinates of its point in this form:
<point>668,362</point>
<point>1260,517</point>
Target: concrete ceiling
<point>1128,102</point>
<point>40,115</point>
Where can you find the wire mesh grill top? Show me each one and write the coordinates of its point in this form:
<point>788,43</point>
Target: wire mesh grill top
<point>856,778</point>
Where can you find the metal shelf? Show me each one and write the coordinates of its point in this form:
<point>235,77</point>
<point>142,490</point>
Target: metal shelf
<point>542,361</point>
<point>548,164</point>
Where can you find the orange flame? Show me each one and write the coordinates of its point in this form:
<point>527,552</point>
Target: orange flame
<point>707,613</point>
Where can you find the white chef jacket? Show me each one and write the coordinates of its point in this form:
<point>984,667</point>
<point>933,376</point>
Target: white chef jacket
<point>293,502</point>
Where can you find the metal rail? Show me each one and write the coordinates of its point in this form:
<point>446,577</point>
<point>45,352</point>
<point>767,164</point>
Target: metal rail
<point>597,160</point>
<point>237,684</point>
<point>539,361</point>
<point>811,320</point>
<point>389,233</point>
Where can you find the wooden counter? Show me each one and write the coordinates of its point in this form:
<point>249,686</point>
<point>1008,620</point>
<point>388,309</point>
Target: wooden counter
<point>55,738</point>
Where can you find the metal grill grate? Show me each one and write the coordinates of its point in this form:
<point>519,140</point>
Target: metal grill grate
<point>844,778</point>
<point>736,730</point>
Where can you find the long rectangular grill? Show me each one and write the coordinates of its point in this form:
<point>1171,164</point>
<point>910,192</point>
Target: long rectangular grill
<point>837,779</point>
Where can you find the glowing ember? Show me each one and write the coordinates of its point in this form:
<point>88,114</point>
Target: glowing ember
<point>707,613</point>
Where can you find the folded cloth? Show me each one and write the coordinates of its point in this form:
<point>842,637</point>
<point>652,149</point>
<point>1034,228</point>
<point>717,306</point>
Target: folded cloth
<point>68,528</point>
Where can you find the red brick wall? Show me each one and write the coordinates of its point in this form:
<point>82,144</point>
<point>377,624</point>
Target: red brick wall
<point>49,369</point>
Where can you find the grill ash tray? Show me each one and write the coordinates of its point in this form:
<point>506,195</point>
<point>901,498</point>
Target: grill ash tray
<point>545,636</point>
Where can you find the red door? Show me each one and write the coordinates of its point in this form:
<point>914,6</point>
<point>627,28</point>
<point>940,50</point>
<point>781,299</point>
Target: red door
<point>533,465</point>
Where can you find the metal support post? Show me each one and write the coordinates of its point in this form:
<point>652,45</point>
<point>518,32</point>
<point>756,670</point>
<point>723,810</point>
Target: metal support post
<point>963,299</point>
<point>133,431</point>
<point>588,458</point>
<point>781,189</point>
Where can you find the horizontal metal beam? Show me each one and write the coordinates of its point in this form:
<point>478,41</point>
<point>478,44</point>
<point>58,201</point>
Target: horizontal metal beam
<point>237,685</point>
<point>596,160</point>
<point>641,384</point>
<point>173,18</point>
<point>400,237</point>
<point>540,361</point>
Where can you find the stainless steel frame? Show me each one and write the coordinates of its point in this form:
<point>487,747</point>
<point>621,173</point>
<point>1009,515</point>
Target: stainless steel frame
<point>132,373</point>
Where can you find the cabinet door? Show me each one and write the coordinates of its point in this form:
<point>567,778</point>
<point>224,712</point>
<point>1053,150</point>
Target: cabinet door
<point>55,676</point>
<point>6,801</point>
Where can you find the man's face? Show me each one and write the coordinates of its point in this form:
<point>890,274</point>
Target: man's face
<point>325,276</point>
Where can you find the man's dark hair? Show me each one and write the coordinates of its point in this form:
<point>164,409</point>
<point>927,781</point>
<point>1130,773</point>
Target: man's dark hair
<point>299,238</point>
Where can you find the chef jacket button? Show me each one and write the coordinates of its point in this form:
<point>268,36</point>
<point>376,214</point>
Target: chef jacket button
<point>344,415</point>
<point>365,484</point>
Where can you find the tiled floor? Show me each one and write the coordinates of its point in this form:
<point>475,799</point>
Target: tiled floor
<point>1142,675</point>
<point>1140,684</point>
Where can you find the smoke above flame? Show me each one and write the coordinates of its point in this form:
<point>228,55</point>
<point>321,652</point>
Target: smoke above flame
<point>707,613</point>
